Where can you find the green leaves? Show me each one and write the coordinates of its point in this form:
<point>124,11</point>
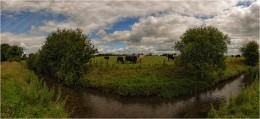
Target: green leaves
<point>64,55</point>
<point>251,53</point>
<point>11,53</point>
<point>203,48</point>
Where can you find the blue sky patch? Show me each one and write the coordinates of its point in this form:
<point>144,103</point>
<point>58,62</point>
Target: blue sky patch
<point>244,3</point>
<point>123,24</point>
<point>21,22</point>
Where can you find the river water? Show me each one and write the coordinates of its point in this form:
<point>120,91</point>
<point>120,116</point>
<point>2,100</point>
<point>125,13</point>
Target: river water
<point>82,102</point>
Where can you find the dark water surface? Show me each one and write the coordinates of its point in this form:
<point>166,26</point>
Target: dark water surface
<point>82,102</point>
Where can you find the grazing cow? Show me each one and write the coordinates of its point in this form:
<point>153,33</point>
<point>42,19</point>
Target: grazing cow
<point>131,58</point>
<point>141,58</point>
<point>238,56</point>
<point>106,57</point>
<point>120,59</point>
<point>170,57</point>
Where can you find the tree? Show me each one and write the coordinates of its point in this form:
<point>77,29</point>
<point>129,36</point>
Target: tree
<point>4,48</point>
<point>14,53</point>
<point>11,53</point>
<point>251,53</point>
<point>202,50</point>
<point>64,55</point>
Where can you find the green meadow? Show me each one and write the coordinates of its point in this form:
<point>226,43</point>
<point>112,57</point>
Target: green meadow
<point>24,95</point>
<point>155,76</point>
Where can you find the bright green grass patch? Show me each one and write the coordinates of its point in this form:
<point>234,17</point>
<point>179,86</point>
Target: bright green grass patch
<point>245,105</point>
<point>23,95</point>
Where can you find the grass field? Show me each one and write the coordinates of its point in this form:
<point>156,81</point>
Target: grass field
<point>24,96</point>
<point>156,76</point>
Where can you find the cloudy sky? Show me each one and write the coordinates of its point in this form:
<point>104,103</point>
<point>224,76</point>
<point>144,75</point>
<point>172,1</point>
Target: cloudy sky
<point>127,26</point>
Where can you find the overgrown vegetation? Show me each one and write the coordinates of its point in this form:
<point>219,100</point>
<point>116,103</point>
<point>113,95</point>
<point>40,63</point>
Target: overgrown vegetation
<point>245,105</point>
<point>11,53</point>
<point>202,50</point>
<point>154,77</point>
<point>251,53</point>
<point>63,56</point>
<point>23,95</point>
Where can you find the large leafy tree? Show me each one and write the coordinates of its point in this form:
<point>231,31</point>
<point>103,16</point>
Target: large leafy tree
<point>202,50</point>
<point>65,54</point>
<point>251,53</point>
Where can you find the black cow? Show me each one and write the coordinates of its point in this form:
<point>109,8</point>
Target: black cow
<point>131,58</point>
<point>120,59</point>
<point>238,56</point>
<point>106,57</point>
<point>170,57</point>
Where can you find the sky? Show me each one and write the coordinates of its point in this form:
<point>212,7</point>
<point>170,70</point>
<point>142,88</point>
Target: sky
<point>126,27</point>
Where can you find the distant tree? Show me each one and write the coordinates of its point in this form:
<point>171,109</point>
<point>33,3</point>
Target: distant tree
<point>11,53</point>
<point>150,54</point>
<point>251,53</point>
<point>4,48</point>
<point>202,50</point>
<point>65,55</point>
<point>14,53</point>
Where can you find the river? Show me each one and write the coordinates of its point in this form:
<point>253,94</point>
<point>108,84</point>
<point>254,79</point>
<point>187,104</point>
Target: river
<point>82,102</point>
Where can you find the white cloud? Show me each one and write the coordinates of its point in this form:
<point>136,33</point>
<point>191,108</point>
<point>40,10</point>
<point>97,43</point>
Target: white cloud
<point>155,33</point>
<point>30,43</point>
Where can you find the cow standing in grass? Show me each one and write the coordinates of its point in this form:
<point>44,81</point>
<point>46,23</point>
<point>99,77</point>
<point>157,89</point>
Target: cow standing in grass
<point>170,57</point>
<point>120,59</point>
<point>141,58</point>
<point>238,56</point>
<point>131,58</point>
<point>106,58</point>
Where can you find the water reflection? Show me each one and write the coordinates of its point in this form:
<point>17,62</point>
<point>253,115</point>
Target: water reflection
<point>93,103</point>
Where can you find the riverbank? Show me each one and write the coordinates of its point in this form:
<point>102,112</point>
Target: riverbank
<point>23,95</point>
<point>245,105</point>
<point>162,80</point>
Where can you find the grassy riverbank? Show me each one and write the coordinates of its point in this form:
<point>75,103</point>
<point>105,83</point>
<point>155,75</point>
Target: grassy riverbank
<point>156,76</point>
<point>245,105</point>
<point>24,96</point>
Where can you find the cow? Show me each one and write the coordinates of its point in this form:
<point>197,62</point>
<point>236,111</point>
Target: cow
<point>238,56</point>
<point>120,59</point>
<point>131,58</point>
<point>170,57</point>
<point>106,57</point>
<point>141,58</point>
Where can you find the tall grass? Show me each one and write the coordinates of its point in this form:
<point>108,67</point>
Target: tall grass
<point>23,95</point>
<point>245,105</point>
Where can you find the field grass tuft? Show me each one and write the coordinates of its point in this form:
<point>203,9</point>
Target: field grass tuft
<point>23,95</point>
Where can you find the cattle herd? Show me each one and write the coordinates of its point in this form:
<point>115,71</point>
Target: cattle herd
<point>133,58</point>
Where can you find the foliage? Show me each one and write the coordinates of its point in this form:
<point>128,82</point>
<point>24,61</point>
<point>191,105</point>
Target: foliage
<point>64,55</point>
<point>11,53</point>
<point>251,53</point>
<point>23,95</point>
<point>245,105</point>
<point>202,49</point>
<point>31,61</point>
